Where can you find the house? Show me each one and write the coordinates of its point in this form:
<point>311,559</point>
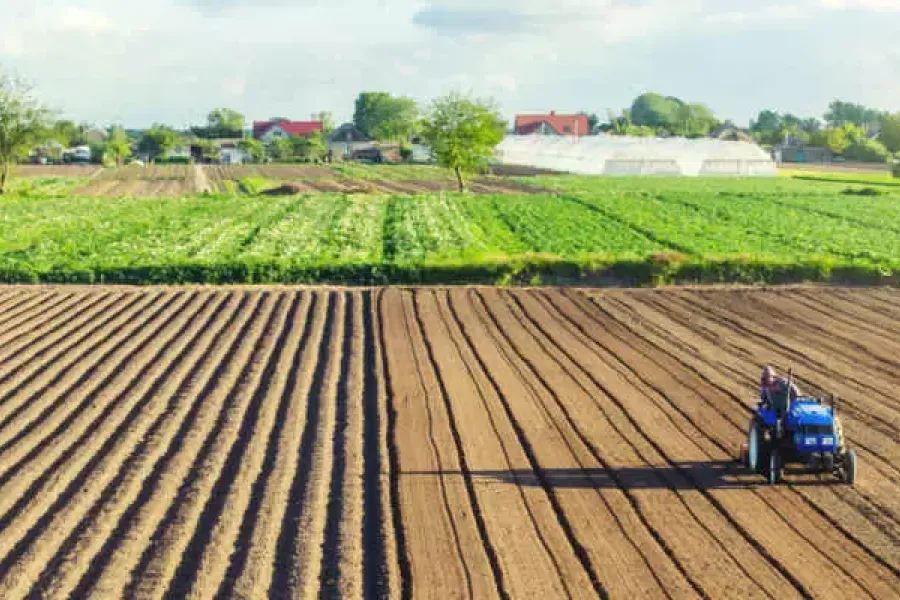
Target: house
<point>347,139</point>
<point>269,131</point>
<point>552,124</point>
<point>231,152</point>
<point>802,154</point>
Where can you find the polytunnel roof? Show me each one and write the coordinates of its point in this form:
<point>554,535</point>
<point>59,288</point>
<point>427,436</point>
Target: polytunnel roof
<point>605,154</point>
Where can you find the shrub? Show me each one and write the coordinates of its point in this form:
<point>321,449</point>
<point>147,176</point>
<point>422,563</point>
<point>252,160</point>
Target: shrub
<point>866,191</point>
<point>406,152</point>
<point>174,160</point>
<point>867,151</point>
<point>896,170</point>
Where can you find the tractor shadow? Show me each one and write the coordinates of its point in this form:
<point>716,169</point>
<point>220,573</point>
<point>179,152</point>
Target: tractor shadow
<point>705,475</point>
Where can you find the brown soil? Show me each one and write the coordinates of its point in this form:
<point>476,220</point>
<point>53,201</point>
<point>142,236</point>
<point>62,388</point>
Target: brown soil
<point>436,443</point>
<point>56,170</point>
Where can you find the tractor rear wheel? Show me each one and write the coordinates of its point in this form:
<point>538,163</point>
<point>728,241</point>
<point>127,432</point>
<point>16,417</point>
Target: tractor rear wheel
<point>774,467</point>
<point>850,467</point>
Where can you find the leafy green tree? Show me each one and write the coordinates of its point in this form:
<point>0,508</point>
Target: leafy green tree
<point>654,110</point>
<point>24,122</point>
<point>767,121</point>
<point>692,121</point>
<point>118,146</point>
<point>253,148</point>
<point>890,132</point>
<point>310,147</point>
<point>840,113</point>
<point>463,133</point>
<point>869,151</point>
<point>210,151</point>
<point>327,119</point>
<point>839,138</point>
<point>70,134</point>
<point>158,141</point>
<point>221,123</point>
<point>281,149</point>
<point>384,117</point>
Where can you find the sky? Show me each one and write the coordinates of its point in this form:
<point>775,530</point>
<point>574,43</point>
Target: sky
<point>172,61</point>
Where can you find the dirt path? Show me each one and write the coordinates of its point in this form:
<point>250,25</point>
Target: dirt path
<point>436,443</point>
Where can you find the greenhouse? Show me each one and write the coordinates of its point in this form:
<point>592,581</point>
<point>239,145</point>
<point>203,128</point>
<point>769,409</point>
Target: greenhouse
<point>621,155</point>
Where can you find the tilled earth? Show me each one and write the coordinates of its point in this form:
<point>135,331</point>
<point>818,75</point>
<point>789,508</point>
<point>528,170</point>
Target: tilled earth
<point>436,443</point>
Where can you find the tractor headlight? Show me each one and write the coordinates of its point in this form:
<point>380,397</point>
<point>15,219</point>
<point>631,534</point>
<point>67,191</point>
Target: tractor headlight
<point>828,441</point>
<point>810,441</point>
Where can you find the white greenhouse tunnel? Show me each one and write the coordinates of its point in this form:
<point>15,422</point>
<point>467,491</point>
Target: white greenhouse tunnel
<point>620,155</point>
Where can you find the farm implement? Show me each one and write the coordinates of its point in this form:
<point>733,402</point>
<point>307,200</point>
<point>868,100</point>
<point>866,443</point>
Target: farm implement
<point>803,431</point>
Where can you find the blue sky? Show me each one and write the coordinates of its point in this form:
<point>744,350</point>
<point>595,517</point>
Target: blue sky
<point>172,61</point>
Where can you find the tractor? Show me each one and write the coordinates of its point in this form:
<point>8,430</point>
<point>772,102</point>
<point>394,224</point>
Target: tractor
<point>800,430</point>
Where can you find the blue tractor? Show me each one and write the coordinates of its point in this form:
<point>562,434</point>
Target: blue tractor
<point>800,430</point>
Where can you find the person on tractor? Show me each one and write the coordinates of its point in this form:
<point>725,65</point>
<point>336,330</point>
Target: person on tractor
<point>776,393</point>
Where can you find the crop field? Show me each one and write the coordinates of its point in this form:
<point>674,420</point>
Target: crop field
<point>436,443</point>
<point>377,225</point>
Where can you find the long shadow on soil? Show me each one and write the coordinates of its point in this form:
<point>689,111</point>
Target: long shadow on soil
<point>684,475</point>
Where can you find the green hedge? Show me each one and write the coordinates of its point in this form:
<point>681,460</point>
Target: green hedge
<point>524,270</point>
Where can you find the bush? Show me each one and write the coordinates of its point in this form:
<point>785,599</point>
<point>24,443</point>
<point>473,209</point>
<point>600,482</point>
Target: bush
<point>406,152</point>
<point>896,170</point>
<point>174,160</point>
<point>867,151</point>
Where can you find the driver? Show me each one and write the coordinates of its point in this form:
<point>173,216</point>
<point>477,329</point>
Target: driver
<point>770,384</point>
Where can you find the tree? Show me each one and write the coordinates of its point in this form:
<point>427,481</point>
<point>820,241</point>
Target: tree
<point>23,123</point>
<point>310,147</point>
<point>383,117</point>
<point>593,121</point>
<point>840,113</point>
<point>253,148</point>
<point>210,151</point>
<point>281,149</point>
<point>327,120</point>
<point>692,120</point>
<point>118,146</point>
<point>221,123</point>
<point>654,110</point>
<point>158,141</point>
<point>69,134</point>
<point>890,132</point>
<point>869,151</point>
<point>463,133</point>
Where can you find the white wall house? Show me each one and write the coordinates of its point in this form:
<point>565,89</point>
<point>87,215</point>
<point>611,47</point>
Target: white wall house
<point>274,133</point>
<point>232,154</point>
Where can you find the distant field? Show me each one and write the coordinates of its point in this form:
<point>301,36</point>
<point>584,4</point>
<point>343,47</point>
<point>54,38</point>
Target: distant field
<point>400,224</point>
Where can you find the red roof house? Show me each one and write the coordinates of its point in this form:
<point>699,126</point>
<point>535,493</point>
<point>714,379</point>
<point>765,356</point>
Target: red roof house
<point>284,129</point>
<point>552,124</point>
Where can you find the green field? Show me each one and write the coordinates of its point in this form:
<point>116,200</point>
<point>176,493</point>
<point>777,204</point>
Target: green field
<point>581,229</point>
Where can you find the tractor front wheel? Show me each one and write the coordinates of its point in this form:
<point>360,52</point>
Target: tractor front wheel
<point>774,467</point>
<point>753,444</point>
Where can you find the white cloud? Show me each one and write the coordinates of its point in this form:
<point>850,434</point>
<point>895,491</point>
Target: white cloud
<point>874,5</point>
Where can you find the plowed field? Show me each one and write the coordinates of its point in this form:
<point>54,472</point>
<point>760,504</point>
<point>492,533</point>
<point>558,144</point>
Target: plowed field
<point>433,443</point>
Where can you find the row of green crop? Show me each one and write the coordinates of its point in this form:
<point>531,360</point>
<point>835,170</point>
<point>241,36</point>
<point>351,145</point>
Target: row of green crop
<point>741,217</point>
<point>701,229</point>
